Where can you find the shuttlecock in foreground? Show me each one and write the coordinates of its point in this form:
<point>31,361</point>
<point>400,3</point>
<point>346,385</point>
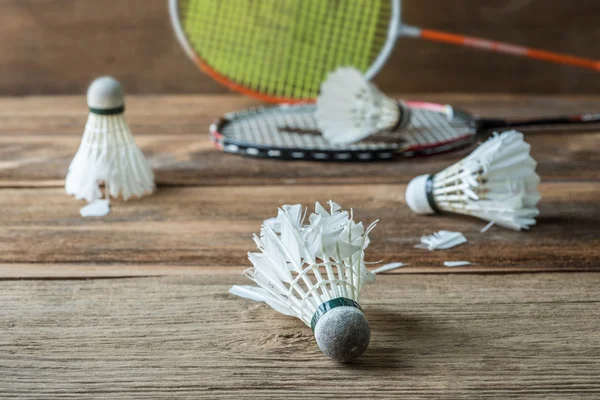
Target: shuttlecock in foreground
<point>349,108</point>
<point>496,182</point>
<point>108,153</point>
<point>314,272</point>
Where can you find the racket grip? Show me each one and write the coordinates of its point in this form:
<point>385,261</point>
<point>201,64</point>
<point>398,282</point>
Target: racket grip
<point>505,48</point>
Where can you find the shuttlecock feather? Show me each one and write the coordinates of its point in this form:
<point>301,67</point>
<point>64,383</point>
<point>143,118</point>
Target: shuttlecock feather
<point>108,152</point>
<point>441,240</point>
<point>496,182</point>
<point>314,272</point>
<point>349,108</point>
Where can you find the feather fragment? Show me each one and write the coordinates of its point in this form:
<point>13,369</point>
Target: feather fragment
<point>388,267</point>
<point>441,240</point>
<point>97,208</point>
<point>452,264</point>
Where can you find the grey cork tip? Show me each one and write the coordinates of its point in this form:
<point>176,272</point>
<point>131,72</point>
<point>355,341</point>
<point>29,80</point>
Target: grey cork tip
<point>343,333</point>
<point>105,93</point>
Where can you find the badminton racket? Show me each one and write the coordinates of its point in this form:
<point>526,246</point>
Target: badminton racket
<point>290,132</point>
<point>281,50</point>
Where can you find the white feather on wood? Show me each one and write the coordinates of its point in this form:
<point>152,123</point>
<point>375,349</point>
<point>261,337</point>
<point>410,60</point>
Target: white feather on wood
<point>388,267</point>
<point>97,208</point>
<point>441,240</point>
<point>452,264</point>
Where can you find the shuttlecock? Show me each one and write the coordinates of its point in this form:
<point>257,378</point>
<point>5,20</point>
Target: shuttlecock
<point>314,272</point>
<point>108,152</point>
<point>496,182</point>
<point>349,108</point>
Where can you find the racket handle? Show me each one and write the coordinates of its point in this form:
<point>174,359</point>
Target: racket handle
<point>499,47</point>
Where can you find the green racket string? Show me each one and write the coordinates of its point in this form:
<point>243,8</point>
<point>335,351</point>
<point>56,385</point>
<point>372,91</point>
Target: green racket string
<point>285,48</point>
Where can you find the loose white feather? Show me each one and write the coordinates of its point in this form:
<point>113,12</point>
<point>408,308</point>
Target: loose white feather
<point>441,240</point>
<point>349,108</point>
<point>451,264</point>
<point>97,208</point>
<point>388,267</point>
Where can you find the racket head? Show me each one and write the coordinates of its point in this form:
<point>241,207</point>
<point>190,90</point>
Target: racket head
<point>289,132</point>
<point>281,51</point>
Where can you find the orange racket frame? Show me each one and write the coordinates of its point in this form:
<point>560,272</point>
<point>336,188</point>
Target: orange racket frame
<point>397,29</point>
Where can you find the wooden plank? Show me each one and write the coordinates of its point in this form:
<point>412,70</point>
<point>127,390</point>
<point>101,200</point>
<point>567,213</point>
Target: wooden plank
<point>211,227</point>
<point>20,271</point>
<point>191,114</point>
<point>90,271</point>
<point>39,136</point>
<point>433,336</point>
<point>43,52</point>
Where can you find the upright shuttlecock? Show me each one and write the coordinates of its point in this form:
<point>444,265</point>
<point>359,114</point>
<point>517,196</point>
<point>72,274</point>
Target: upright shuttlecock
<point>314,272</point>
<point>350,108</point>
<point>108,152</point>
<point>496,182</point>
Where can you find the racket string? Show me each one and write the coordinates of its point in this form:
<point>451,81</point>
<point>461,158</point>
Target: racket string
<point>284,47</point>
<point>291,132</point>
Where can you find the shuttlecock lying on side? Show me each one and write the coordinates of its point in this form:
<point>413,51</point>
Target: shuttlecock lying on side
<point>108,152</point>
<point>496,182</point>
<point>315,272</point>
<point>350,108</point>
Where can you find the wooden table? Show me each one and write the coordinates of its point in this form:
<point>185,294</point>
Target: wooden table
<point>135,305</point>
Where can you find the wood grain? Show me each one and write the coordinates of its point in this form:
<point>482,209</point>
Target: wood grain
<point>59,46</point>
<point>40,135</point>
<point>73,326</point>
<point>437,336</point>
<point>211,227</point>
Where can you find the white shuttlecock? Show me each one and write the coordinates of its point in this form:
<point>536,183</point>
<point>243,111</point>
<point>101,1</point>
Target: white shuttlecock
<point>314,272</point>
<point>350,108</point>
<point>108,152</point>
<point>496,182</point>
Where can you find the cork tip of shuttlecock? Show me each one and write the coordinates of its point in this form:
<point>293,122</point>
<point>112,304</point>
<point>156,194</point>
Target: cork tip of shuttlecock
<point>416,195</point>
<point>105,93</point>
<point>343,334</point>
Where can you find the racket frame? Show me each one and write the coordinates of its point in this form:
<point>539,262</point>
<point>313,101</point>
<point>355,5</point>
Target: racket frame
<point>395,25</point>
<point>211,72</point>
<point>227,145</point>
<point>397,29</point>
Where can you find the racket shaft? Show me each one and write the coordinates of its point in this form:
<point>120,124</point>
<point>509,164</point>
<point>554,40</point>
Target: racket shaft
<point>499,47</point>
<point>486,123</point>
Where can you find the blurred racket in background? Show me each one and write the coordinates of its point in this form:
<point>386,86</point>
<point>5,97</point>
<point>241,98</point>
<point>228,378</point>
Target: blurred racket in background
<point>290,132</point>
<point>281,50</point>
